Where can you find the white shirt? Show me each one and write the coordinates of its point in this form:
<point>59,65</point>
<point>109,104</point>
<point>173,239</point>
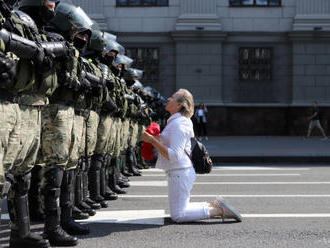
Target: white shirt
<point>176,136</point>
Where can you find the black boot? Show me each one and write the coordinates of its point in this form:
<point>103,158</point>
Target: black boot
<point>86,198</point>
<point>105,190</point>
<point>131,161</point>
<point>94,180</point>
<point>77,214</point>
<point>66,203</point>
<point>81,209</point>
<point>35,206</point>
<point>123,166</point>
<point>113,178</point>
<point>138,156</point>
<point>20,235</point>
<point>51,193</point>
<point>121,182</point>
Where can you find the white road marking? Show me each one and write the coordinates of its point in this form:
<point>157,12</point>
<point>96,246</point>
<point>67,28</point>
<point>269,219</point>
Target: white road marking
<point>244,168</point>
<point>261,183</point>
<point>324,215</point>
<point>156,217</point>
<point>230,175</point>
<point>259,168</point>
<point>230,196</point>
<point>164,183</point>
<point>149,183</point>
<point>141,217</point>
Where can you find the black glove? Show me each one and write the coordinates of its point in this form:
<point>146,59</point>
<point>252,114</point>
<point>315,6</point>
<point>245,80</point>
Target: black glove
<point>110,83</point>
<point>119,113</point>
<point>85,83</point>
<point>71,82</point>
<point>97,90</point>
<point>8,69</point>
<point>110,106</point>
<point>40,55</point>
<point>44,62</point>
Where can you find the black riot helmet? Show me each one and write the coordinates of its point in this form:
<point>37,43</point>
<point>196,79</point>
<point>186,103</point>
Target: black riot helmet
<point>71,20</point>
<point>41,11</point>
<point>97,42</point>
<point>112,45</point>
<point>132,75</point>
<point>112,49</point>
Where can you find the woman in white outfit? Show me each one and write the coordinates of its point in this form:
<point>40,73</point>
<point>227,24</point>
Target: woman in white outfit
<point>171,145</point>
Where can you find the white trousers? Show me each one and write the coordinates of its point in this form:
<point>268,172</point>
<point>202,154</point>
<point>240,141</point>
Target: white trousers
<point>180,183</point>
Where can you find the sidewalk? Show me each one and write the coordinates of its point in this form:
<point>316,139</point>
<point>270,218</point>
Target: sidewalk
<point>268,149</point>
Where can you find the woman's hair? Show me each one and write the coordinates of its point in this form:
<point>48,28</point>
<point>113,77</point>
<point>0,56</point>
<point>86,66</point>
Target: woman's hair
<point>185,98</point>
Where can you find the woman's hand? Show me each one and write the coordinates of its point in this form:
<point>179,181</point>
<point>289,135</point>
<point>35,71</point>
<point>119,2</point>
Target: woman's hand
<point>146,137</point>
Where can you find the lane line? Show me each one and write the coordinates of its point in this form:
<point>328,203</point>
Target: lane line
<point>164,183</point>
<point>139,217</point>
<point>230,196</point>
<point>324,215</point>
<point>157,217</point>
<point>259,168</point>
<point>235,168</point>
<point>230,175</point>
<point>261,183</point>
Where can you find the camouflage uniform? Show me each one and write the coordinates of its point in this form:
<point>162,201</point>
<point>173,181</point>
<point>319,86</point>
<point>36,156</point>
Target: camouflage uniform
<point>33,88</point>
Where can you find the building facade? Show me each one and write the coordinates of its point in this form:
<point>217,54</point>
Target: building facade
<point>257,64</point>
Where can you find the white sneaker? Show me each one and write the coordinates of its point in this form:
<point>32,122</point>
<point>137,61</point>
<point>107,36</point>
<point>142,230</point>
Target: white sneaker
<point>228,212</point>
<point>206,138</point>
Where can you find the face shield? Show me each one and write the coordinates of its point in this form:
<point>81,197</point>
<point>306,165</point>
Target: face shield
<point>71,19</point>
<point>109,36</point>
<point>112,45</point>
<point>124,60</point>
<point>138,73</point>
<point>138,85</point>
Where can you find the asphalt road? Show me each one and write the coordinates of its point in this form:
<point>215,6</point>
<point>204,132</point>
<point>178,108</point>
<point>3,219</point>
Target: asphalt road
<point>282,206</point>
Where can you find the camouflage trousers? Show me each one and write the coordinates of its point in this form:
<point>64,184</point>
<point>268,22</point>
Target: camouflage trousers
<point>78,137</point>
<point>112,136</point>
<point>10,125</point>
<point>141,129</point>
<point>58,124</point>
<point>125,134</point>
<point>103,134</point>
<point>29,138</point>
<point>92,123</point>
<point>117,139</point>
<point>134,132</point>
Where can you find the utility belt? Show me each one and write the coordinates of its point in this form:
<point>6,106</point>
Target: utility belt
<point>96,108</point>
<point>81,112</point>
<point>55,100</point>
<point>6,95</point>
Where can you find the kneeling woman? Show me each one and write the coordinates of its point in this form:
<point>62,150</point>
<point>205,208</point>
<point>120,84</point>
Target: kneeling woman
<point>171,145</point>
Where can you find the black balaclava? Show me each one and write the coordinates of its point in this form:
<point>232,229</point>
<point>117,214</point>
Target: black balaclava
<point>107,59</point>
<point>41,15</point>
<point>80,44</point>
<point>115,71</point>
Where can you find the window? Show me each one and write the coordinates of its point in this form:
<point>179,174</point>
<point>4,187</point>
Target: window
<point>141,3</point>
<point>255,3</point>
<point>146,59</point>
<point>255,64</point>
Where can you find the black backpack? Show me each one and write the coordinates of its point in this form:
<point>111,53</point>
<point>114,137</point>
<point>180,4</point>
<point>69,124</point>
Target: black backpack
<point>200,157</point>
